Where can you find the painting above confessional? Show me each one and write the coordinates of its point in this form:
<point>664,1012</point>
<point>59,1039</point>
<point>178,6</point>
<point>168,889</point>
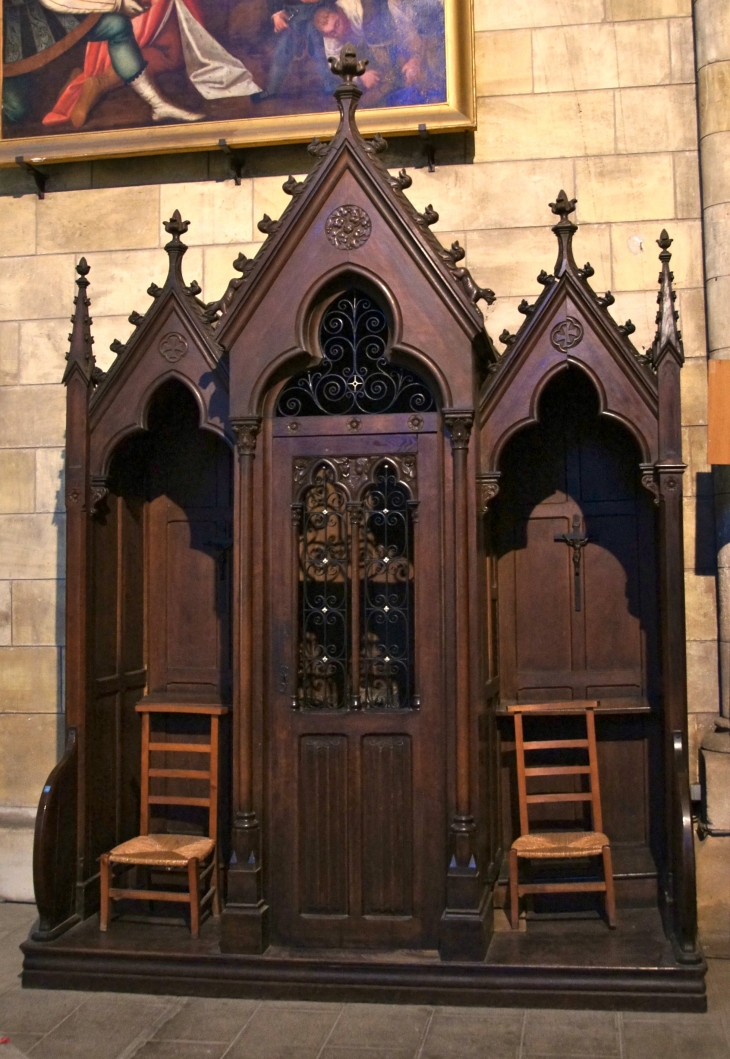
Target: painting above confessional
<point>99,77</point>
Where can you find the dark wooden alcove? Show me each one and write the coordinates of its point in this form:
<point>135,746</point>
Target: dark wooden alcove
<point>160,603</point>
<point>586,635</point>
<point>371,781</point>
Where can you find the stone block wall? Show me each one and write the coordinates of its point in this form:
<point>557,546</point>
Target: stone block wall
<point>593,96</point>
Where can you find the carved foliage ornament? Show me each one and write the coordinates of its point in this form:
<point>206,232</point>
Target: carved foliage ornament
<point>459,425</point>
<point>566,335</point>
<point>173,347</point>
<point>348,227</point>
<point>246,431</point>
<point>352,473</point>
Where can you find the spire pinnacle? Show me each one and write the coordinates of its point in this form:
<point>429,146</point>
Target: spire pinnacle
<point>79,356</point>
<point>565,229</point>
<point>668,337</point>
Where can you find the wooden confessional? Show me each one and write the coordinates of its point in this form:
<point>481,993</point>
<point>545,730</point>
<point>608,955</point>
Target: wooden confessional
<point>325,501</point>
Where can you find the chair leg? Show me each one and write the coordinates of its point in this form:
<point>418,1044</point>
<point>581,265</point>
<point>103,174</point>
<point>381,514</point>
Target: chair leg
<point>610,894</point>
<point>193,884</point>
<point>104,873</point>
<point>216,882</point>
<point>514,889</point>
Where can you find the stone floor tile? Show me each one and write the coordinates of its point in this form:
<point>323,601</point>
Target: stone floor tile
<point>571,1033</point>
<point>23,1042</point>
<point>86,1047</point>
<point>36,1010</point>
<point>14,915</point>
<point>718,986</point>
<point>279,1033</point>
<point>675,1037</point>
<point>180,1050</point>
<point>381,1026</point>
<point>107,1022</point>
<point>306,1005</point>
<point>365,1053</point>
<point>493,1034</point>
<point>207,1020</point>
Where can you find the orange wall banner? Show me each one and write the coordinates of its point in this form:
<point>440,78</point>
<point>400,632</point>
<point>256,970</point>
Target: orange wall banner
<point>718,435</point>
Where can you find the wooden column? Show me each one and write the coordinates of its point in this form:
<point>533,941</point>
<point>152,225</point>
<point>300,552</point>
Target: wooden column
<point>78,379</point>
<point>463,934</point>
<point>245,919</point>
<point>679,888</point>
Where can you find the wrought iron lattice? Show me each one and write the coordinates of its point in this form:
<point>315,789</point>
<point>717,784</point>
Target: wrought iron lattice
<point>354,374</point>
<point>324,595</point>
<point>386,658</point>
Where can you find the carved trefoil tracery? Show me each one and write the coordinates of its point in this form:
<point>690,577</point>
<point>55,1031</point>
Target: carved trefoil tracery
<point>353,521</point>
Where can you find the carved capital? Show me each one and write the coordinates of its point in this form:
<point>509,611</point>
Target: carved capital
<point>649,480</point>
<point>488,484</point>
<point>99,490</point>
<point>246,431</point>
<point>459,424</point>
<point>669,477</point>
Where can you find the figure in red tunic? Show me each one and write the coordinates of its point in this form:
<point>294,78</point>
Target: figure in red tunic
<point>168,34</point>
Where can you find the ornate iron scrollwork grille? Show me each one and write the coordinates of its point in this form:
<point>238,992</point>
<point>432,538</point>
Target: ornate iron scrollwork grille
<point>354,374</point>
<point>386,658</point>
<point>324,595</point>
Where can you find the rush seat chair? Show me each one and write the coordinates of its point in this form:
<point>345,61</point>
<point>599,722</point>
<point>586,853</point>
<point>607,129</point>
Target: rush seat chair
<point>191,856</point>
<point>559,845</point>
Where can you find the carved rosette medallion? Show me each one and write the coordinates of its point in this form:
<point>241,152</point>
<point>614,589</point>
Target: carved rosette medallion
<point>566,335</point>
<point>348,227</point>
<point>173,347</point>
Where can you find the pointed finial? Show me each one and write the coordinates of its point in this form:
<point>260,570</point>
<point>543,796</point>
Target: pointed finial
<point>79,356</point>
<point>176,226</point>
<point>565,229</point>
<point>563,206</point>
<point>668,338</point>
<point>176,249</point>
<point>347,65</point>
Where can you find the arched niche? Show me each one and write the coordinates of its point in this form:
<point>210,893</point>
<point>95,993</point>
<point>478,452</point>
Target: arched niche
<point>572,536</point>
<point>160,606</point>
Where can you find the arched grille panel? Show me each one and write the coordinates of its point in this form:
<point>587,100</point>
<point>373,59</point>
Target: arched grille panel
<point>354,374</point>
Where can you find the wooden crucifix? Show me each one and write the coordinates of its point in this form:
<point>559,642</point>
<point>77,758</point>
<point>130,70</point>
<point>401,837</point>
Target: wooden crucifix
<point>577,542</point>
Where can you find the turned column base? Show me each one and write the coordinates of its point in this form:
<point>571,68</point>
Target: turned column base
<point>245,928</point>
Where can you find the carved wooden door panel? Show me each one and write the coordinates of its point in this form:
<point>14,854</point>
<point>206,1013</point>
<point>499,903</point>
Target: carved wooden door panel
<point>576,569</point>
<point>356,737</point>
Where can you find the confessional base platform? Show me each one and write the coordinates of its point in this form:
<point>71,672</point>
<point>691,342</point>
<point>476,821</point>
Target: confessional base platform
<point>559,963</point>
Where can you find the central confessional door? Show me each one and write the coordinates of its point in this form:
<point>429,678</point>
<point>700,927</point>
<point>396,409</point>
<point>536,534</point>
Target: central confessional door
<point>354,702</point>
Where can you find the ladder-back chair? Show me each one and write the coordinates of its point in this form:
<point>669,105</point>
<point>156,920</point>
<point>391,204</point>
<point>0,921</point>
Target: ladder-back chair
<point>194,855</point>
<point>559,845</point>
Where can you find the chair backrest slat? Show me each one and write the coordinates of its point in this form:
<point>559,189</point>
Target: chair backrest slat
<point>209,775</point>
<point>523,746</point>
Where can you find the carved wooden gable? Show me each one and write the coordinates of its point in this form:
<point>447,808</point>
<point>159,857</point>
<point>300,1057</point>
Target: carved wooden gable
<point>172,340</point>
<point>350,218</point>
<point>568,324</point>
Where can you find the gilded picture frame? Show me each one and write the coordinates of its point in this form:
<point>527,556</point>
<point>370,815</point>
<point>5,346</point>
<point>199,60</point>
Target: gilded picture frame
<point>456,110</point>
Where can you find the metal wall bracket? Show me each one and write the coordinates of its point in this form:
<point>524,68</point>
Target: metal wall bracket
<point>429,149</point>
<point>235,161</point>
<point>39,177</point>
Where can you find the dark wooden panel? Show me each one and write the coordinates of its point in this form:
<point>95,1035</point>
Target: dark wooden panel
<point>192,619</point>
<point>612,605</point>
<point>323,831</point>
<point>543,597</point>
<point>387,825</point>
